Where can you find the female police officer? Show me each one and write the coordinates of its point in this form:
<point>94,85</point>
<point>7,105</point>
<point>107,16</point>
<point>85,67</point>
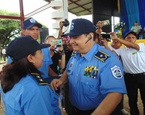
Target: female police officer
<point>24,90</point>
<point>95,75</point>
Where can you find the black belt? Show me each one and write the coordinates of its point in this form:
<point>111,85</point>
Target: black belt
<point>83,112</point>
<point>137,74</point>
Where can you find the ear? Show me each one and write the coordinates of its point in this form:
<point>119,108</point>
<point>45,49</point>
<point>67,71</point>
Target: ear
<point>30,58</point>
<point>23,32</point>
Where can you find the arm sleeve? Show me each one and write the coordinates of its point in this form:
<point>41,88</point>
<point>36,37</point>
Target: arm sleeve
<point>112,77</point>
<point>141,47</point>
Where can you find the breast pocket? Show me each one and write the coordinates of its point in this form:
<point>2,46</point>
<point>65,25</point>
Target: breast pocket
<point>90,86</point>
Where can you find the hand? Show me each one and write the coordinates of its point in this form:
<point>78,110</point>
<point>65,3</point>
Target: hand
<point>56,83</point>
<point>104,42</point>
<point>61,24</point>
<point>99,31</point>
<point>60,48</point>
<point>113,36</point>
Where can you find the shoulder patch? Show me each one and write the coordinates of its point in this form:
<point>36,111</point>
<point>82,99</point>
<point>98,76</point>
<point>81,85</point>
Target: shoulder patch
<point>102,56</point>
<point>116,72</point>
<point>73,53</point>
<point>39,79</point>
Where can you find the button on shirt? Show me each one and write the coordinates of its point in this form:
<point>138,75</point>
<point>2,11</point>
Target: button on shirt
<point>27,97</point>
<point>133,60</point>
<point>90,79</point>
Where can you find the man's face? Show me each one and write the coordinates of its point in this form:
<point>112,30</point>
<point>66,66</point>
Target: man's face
<point>50,41</point>
<point>131,38</point>
<point>65,40</point>
<point>136,24</point>
<point>80,44</point>
<point>34,32</point>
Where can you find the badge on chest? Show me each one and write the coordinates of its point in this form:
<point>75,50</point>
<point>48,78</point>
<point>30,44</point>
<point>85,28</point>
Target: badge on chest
<point>91,71</point>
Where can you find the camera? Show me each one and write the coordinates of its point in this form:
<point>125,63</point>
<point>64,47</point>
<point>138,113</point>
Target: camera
<point>106,36</point>
<point>66,23</point>
<point>105,22</point>
<point>57,43</point>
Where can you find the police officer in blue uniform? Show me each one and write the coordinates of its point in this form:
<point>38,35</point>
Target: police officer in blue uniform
<point>95,75</point>
<point>24,92</point>
<point>32,27</point>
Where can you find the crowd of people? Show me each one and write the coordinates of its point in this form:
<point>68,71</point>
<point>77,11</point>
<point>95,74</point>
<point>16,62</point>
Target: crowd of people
<point>91,74</point>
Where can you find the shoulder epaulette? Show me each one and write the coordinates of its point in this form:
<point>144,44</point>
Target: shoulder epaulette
<point>73,53</point>
<point>39,79</point>
<point>102,56</point>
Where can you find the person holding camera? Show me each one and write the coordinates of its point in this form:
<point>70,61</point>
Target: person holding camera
<point>114,46</point>
<point>99,26</point>
<point>94,74</point>
<point>57,55</point>
<point>58,58</point>
<point>68,108</point>
<point>133,59</point>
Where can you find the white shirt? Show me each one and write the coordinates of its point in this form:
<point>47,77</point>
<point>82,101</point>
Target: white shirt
<point>4,51</point>
<point>113,49</point>
<point>136,28</point>
<point>133,60</point>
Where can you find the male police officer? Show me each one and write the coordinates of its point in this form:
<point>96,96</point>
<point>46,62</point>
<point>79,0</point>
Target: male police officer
<point>32,27</point>
<point>95,75</point>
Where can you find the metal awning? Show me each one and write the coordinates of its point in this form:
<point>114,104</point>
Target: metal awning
<point>80,7</point>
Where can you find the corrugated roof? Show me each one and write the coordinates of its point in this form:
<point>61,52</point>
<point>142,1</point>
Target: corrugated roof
<point>80,7</point>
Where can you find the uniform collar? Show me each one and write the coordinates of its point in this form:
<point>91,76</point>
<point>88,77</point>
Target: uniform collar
<point>91,52</point>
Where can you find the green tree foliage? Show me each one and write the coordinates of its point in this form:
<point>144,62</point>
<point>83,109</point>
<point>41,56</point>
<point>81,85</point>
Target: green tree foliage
<point>9,28</point>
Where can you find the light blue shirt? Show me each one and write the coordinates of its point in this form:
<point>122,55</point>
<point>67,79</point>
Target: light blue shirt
<point>93,76</point>
<point>27,97</point>
<point>46,62</point>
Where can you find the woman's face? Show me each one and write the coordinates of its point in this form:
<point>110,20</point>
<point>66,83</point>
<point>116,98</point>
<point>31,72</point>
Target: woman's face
<point>37,59</point>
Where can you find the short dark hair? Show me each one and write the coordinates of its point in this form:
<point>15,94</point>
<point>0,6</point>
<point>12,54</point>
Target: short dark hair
<point>130,32</point>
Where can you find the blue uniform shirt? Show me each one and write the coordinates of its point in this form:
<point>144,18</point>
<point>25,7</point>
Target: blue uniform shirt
<point>46,62</point>
<point>27,97</point>
<point>94,75</point>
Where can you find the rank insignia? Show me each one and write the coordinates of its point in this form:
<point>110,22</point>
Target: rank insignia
<point>102,56</point>
<point>91,71</point>
<point>39,79</point>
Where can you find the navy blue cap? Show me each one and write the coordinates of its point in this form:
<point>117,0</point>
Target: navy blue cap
<point>130,32</point>
<point>23,46</point>
<point>28,23</point>
<point>80,26</point>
